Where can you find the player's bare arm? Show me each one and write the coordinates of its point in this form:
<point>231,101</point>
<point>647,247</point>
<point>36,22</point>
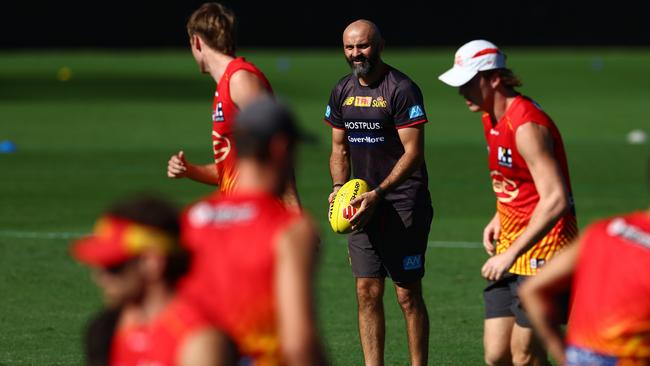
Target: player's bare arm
<point>412,139</point>
<point>491,234</point>
<point>296,258</point>
<point>245,87</point>
<point>339,161</point>
<point>535,144</point>
<point>179,167</point>
<point>208,347</point>
<point>538,292</point>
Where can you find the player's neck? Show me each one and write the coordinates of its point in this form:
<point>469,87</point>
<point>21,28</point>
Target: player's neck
<point>502,101</point>
<point>156,298</point>
<point>217,63</point>
<point>255,177</point>
<point>375,75</point>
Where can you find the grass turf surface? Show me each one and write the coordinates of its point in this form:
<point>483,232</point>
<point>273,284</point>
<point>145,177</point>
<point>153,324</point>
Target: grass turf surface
<point>110,129</point>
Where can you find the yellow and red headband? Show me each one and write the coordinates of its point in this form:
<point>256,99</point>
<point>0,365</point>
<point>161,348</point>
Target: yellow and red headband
<point>115,240</point>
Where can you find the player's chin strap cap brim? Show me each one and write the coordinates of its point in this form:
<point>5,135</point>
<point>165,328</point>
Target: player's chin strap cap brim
<point>97,252</point>
<point>457,76</point>
<point>115,240</point>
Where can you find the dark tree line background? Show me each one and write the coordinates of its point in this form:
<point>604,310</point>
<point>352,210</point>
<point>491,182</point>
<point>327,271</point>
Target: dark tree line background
<point>318,24</point>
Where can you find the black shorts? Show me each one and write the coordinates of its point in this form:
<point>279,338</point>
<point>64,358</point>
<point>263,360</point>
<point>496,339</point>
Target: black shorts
<point>392,244</point>
<point>502,300</point>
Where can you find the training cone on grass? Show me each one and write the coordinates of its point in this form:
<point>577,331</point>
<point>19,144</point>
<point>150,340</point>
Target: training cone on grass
<point>7,147</point>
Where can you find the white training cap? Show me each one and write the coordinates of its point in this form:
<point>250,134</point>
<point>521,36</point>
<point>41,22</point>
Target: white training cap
<point>472,57</point>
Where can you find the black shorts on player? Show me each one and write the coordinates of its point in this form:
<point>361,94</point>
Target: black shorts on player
<point>502,300</point>
<point>393,244</point>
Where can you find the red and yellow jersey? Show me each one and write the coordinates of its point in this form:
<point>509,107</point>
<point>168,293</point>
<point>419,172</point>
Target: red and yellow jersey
<point>224,111</point>
<point>515,189</point>
<point>157,343</point>
<point>232,239</point>
<point>610,309</point>
<point>130,344</point>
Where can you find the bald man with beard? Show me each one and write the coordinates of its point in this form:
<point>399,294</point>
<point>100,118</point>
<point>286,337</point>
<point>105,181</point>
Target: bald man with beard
<point>377,118</point>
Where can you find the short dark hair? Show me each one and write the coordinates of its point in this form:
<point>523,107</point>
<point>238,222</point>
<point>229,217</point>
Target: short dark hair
<point>216,25</point>
<point>98,337</point>
<point>257,124</point>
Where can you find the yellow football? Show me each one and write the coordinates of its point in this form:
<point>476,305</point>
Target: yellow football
<point>340,210</point>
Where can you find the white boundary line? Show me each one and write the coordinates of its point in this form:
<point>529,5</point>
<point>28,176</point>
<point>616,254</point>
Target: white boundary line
<point>39,235</point>
<point>14,234</point>
<point>455,244</point>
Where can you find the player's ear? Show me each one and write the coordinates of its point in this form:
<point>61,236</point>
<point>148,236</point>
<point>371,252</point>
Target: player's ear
<point>495,79</point>
<point>196,42</point>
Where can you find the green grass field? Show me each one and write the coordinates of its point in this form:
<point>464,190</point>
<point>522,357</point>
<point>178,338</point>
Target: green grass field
<point>110,129</point>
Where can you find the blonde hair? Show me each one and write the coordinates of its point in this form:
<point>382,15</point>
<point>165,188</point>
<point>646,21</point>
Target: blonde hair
<point>508,77</point>
<point>216,25</point>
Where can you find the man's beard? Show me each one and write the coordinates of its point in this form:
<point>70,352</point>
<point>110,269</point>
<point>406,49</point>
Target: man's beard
<point>365,68</point>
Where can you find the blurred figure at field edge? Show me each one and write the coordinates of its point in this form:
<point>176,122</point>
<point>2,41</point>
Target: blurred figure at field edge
<point>136,261</point>
<point>608,273</point>
<point>254,258</point>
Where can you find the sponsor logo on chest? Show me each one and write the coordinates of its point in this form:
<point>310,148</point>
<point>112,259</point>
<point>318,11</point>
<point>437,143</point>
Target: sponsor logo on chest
<point>504,156</point>
<point>217,114</point>
<point>366,102</point>
<point>204,214</point>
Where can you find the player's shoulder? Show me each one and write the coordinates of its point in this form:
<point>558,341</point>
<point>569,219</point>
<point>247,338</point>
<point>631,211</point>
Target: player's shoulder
<point>240,63</point>
<point>344,82</point>
<point>299,228</point>
<point>398,79</point>
<point>525,109</point>
<point>618,223</point>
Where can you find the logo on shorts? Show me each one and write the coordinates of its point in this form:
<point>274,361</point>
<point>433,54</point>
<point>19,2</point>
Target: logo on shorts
<point>412,262</point>
<point>537,263</point>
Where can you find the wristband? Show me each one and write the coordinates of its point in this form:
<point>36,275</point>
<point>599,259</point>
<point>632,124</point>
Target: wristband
<point>337,185</point>
<point>380,191</point>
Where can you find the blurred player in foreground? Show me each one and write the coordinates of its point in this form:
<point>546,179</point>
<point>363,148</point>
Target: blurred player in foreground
<point>136,261</point>
<point>377,117</point>
<point>254,258</point>
<point>212,32</point>
<point>608,273</point>
<point>535,216</point>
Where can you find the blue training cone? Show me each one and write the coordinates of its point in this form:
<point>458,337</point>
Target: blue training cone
<point>7,147</point>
